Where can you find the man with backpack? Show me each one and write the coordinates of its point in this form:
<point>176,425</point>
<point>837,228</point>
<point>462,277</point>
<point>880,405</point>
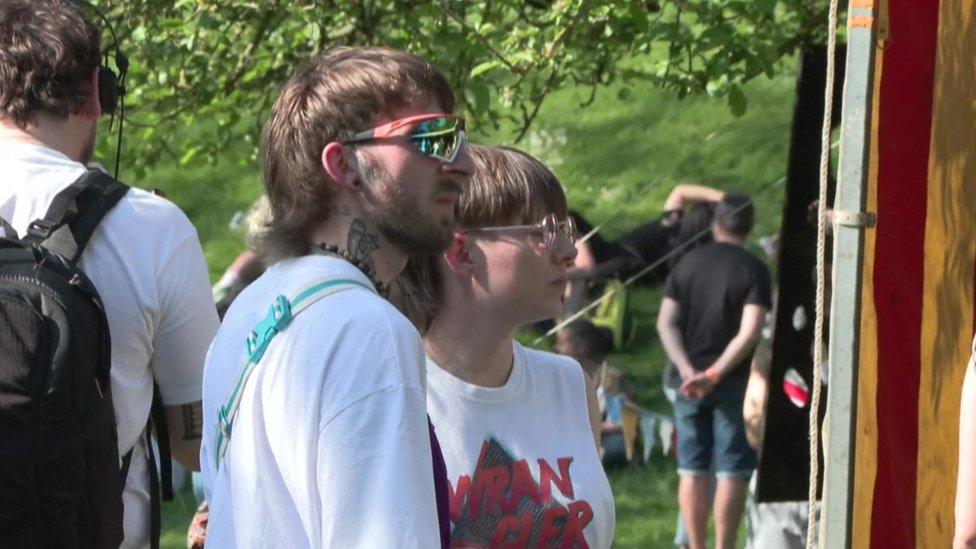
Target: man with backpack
<point>93,276</point>
<point>314,393</point>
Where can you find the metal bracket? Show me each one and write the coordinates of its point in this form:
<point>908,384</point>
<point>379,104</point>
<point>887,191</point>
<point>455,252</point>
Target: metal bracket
<point>855,219</point>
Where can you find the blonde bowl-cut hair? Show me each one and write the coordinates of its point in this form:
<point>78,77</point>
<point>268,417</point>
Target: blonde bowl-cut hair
<point>508,186</point>
<point>331,98</point>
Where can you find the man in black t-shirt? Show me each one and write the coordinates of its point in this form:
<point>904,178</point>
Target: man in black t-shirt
<point>710,320</point>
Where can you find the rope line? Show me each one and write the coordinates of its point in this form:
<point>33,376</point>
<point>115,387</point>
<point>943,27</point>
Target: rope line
<point>821,276</point>
<point>607,294</point>
<point>590,234</point>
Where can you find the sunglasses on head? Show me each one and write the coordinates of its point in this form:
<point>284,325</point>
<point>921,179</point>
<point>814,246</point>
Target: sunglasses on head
<point>438,136</point>
<point>549,228</point>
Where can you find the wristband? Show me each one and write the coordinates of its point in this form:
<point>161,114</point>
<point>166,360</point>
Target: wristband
<point>711,374</point>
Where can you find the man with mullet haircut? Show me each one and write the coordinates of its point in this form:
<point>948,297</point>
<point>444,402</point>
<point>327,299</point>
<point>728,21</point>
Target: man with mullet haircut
<point>315,426</point>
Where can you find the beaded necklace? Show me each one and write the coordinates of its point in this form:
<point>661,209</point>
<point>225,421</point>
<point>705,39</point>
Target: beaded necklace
<point>367,270</point>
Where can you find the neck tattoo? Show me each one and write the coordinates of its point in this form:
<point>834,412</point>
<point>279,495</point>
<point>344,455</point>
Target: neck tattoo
<point>361,243</point>
<point>366,268</point>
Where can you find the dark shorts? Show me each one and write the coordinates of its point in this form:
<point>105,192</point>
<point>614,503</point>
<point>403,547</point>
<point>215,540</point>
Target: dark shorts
<point>713,427</point>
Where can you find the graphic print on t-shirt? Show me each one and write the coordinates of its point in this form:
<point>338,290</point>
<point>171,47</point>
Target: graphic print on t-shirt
<point>503,505</point>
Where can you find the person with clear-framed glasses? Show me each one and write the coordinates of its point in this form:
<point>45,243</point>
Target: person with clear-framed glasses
<point>518,426</point>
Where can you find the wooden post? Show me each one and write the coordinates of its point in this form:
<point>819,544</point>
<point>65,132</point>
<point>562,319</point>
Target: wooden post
<point>841,421</point>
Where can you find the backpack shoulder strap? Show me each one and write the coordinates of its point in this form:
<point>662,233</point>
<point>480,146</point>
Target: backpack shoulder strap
<point>161,484</point>
<point>94,204</point>
<point>282,312</point>
<point>75,213</point>
<point>8,231</point>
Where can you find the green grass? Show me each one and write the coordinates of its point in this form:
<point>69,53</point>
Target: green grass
<point>618,158</point>
<point>176,518</point>
<point>646,509</point>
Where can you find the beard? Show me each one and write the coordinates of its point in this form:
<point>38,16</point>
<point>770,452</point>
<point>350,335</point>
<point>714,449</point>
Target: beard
<point>400,218</point>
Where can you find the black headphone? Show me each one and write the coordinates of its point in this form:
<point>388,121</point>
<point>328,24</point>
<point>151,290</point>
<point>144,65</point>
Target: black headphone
<point>111,85</point>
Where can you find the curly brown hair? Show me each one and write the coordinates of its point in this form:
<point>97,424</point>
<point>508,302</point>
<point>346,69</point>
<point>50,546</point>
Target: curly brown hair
<point>48,51</point>
<point>327,99</point>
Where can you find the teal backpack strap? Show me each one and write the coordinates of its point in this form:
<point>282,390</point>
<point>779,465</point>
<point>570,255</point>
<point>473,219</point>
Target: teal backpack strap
<point>282,312</point>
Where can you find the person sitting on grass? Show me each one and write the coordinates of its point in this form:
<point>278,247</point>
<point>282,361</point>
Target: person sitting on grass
<point>589,345</point>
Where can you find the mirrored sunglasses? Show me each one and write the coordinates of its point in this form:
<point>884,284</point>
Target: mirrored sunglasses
<point>438,136</point>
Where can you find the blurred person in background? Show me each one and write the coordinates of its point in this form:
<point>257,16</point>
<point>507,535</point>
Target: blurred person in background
<point>589,345</point>
<point>684,224</point>
<point>715,301</point>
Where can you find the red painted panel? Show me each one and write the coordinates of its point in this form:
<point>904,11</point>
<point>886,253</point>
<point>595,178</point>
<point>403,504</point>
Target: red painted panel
<point>904,128</point>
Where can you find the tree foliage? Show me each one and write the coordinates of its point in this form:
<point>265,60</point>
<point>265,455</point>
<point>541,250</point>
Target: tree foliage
<point>217,65</point>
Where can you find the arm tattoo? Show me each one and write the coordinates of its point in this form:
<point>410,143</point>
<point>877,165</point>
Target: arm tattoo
<point>192,421</point>
<point>361,244</point>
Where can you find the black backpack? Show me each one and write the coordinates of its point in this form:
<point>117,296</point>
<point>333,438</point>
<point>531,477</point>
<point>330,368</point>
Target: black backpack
<point>61,478</point>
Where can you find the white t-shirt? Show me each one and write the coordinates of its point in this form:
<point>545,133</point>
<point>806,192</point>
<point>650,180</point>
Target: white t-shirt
<point>330,446</point>
<point>146,263</point>
<point>521,461</point>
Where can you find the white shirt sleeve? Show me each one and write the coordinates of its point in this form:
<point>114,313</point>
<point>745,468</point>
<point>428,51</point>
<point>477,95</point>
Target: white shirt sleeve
<point>378,482</point>
<point>186,324</point>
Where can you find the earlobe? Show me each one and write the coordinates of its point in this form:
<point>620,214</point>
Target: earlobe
<point>457,257</point>
<point>336,164</point>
